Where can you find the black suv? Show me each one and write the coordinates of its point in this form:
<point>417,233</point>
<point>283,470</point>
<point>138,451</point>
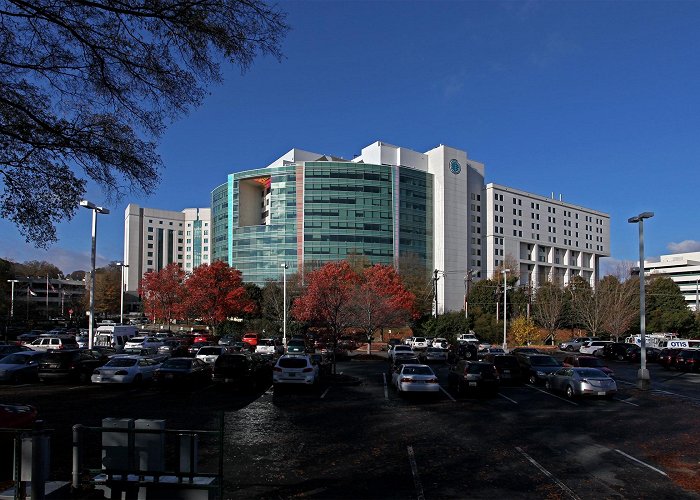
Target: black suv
<point>74,365</point>
<point>507,366</point>
<point>536,367</point>
<point>245,370</point>
<point>616,350</point>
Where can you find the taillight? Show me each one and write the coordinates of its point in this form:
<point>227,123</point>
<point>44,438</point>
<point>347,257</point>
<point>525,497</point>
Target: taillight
<point>431,381</point>
<point>60,346</point>
<point>308,369</point>
<point>406,379</point>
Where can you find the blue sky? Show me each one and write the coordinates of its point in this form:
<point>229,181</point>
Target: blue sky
<point>597,101</point>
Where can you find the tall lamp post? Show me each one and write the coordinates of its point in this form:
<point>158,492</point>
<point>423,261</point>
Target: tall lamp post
<point>284,305</point>
<point>505,295</point>
<point>95,210</point>
<point>467,281</point>
<point>121,305</point>
<point>643,378</point>
<point>12,300</point>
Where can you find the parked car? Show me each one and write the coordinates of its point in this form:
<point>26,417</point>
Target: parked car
<point>16,416</point>
<point>667,358</point>
<point>400,350</point>
<point>242,370</point>
<point>74,365</point>
<point>392,342</point>
<point>210,353</point>
<point>616,350</point>
<point>173,349</point>
<point>473,377</point>
<point>20,366</point>
<point>419,343</point>
<point>251,338</point>
<point>581,382</point>
<point>402,360</point>
<point>196,346</point>
<point>269,346</point>
<point>53,342</point>
<point>183,371</point>
<point>431,354</point>
<point>143,343</point>
<point>325,366</point>
<point>441,343</point>
<point>415,378</point>
<point>10,348</point>
<point>466,350</point>
<point>507,367</point>
<point>584,361</point>
<point>227,340</point>
<point>525,350</point>
<point>536,367</point>
<point>125,369</point>
<point>294,369</point>
<point>490,350</point>
<point>634,354</point>
<point>594,347</point>
<point>296,346</point>
<point>688,360</point>
<point>573,345</point>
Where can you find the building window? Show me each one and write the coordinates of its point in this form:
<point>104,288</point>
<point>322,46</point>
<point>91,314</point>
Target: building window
<point>150,237</point>
<point>150,229</point>
<point>150,245</point>
<point>150,262</point>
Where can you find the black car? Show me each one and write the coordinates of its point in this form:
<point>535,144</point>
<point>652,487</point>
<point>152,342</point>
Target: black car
<point>507,366</point>
<point>244,370</point>
<point>325,367</point>
<point>526,350</point>
<point>536,367</point>
<point>75,365</point>
<point>473,377</point>
<point>196,346</point>
<point>403,360</point>
<point>634,353</point>
<point>667,358</point>
<point>616,350</point>
<point>392,342</point>
<point>183,371</point>
<point>688,360</point>
<point>11,348</point>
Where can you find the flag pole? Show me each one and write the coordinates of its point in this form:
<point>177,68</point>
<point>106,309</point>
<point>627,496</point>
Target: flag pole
<point>47,295</point>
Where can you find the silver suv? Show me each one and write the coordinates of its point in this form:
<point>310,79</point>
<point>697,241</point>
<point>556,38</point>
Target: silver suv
<point>574,345</point>
<point>49,342</point>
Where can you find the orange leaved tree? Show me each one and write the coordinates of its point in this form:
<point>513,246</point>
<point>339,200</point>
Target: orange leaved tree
<point>215,293</point>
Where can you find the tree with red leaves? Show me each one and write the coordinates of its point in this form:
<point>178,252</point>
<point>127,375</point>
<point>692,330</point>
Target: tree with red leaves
<point>380,300</point>
<point>215,293</point>
<point>161,292</point>
<point>326,301</point>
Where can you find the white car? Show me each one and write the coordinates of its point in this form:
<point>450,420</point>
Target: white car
<point>420,343</point>
<point>294,369</point>
<point>210,353</point>
<point>143,343</point>
<point>441,343</point>
<point>400,350</point>
<point>269,346</point>
<point>594,347</point>
<point>415,378</point>
<point>125,369</point>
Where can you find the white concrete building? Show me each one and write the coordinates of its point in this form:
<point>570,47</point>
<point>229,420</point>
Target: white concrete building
<point>551,240</point>
<point>684,270</point>
<point>155,238</point>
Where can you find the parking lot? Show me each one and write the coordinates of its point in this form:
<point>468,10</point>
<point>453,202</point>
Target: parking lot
<point>362,440</point>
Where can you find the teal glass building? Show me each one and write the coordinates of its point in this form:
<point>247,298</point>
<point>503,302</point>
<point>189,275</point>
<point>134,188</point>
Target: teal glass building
<point>306,212</point>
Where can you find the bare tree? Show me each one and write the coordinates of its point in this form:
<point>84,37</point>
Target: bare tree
<point>549,308</point>
<point>86,86</point>
<point>588,307</point>
<point>621,301</point>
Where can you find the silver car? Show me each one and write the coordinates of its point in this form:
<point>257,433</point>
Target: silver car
<point>581,382</point>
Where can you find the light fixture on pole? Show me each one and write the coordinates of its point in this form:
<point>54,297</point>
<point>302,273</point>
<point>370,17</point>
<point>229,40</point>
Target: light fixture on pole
<point>12,300</point>
<point>505,296</point>
<point>121,306</point>
<point>643,378</point>
<point>284,305</point>
<point>95,210</point>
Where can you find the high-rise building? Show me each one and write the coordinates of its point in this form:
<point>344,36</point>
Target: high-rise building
<point>155,238</point>
<point>684,270</point>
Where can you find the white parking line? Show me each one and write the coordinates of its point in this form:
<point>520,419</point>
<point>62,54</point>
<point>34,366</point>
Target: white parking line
<point>386,392</point>
<point>414,471</point>
<point>564,487</point>
<point>659,391</point>
<point>626,402</point>
<point>506,397</point>
<point>553,395</point>
<point>447,394</point>
<point>642,463</point>
<point>325,392</point>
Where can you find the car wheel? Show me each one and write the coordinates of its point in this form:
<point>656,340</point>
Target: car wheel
<point>533,379</point>
<point>570,392</point>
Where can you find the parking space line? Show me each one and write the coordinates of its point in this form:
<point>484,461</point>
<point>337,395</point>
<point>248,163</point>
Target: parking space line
<point>626,402</point>
<point>414,472</point>
<point>506,397</point>
<point>447,393</point>
<point>642,463</point>
<point>561,485</point>
<point>625,382</point>
<point>553,395</point>
<point>660,391</point>
<point>386,391</point>
<point>325,392</point>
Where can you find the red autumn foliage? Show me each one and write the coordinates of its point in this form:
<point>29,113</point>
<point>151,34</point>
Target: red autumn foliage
<point>161,292</point>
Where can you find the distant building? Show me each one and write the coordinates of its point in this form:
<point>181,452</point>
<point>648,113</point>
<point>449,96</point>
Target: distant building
<point>683,269</point>
<point>155,238</point>
<point>39,297</point>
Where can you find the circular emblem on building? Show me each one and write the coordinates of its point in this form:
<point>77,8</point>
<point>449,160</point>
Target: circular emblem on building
<point>455,167</point>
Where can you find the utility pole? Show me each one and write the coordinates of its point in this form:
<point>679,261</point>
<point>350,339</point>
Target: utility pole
<point>467,282</point>
<point>435,290</point>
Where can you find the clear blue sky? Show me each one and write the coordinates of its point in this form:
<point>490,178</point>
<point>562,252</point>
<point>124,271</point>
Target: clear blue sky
<point>598,101</point>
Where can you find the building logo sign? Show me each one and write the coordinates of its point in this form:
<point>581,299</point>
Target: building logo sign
<point>455,167</point>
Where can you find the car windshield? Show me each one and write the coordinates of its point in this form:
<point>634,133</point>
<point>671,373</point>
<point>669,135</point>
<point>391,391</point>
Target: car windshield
<point>209,350</point>
<point>417,370</point>
<point>590,373</point>
<point>543,361</point>
<point>403,348</point>
<point>177,363</point>
<point>292,362</point>
<point>121,362</point>
<point>15,359</point>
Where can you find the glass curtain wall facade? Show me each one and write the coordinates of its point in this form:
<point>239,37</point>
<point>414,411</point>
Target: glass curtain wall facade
<point>310,213</point>
<point>219,223</point>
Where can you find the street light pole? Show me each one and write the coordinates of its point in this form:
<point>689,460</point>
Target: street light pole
<point>505,295</point>
<point>284,305</point>
<point>95,210</point>
<point>12,300</point>
<point>643,377</point>
<point>121,308</point>
<point>467,282</point>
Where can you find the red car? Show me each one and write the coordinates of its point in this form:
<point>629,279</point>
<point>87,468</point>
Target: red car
<point>17,416</point>
<point>251,338</point>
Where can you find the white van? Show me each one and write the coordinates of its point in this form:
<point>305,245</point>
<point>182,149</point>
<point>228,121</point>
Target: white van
<point>113,335</point>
